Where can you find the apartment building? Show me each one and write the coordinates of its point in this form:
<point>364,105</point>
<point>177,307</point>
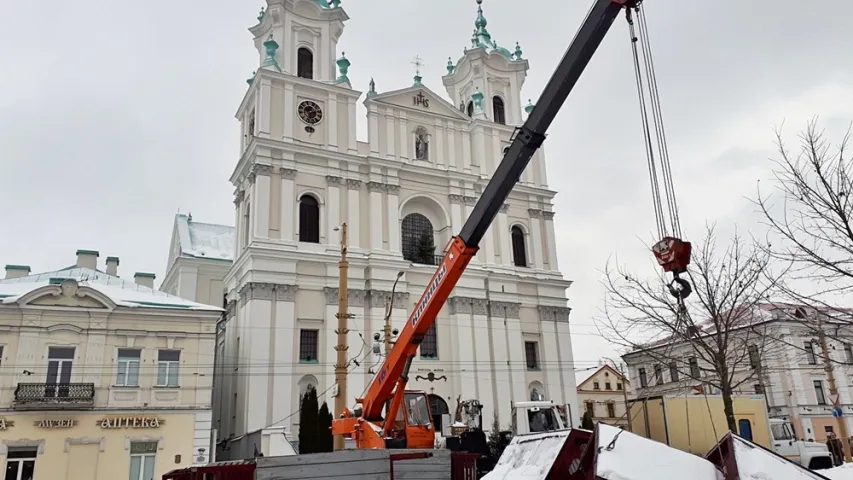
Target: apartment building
<point>103,378</point>
<point>603,395</point>
<point>784,363</point>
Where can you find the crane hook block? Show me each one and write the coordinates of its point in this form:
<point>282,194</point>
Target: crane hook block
<point>673,254</point>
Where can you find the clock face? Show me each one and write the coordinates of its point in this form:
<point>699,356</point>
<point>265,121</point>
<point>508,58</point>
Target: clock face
<point>310,112</point>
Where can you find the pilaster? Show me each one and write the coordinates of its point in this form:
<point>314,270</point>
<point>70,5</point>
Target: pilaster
<point>353,214</point>
<point>287,208</point>
<point>536,234</point>
<point>376,189</point>
<point>551,241</point>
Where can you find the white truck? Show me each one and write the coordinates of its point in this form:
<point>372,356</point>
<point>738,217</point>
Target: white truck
<point>812,455</point>
<point>536,416</point>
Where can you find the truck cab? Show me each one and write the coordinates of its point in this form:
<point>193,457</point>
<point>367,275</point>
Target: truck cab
<point>535,417</point>
<point>812,455</point>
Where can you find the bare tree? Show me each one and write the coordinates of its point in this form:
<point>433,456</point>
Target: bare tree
<point>717,337</point>
<point>811,221</point>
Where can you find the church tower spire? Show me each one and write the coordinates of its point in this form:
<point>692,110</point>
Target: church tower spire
<point>488,76</point>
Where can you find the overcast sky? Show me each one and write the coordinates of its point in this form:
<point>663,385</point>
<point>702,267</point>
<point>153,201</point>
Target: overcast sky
<point>115,116</point>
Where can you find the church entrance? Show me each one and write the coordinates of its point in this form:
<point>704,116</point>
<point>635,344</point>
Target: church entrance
<point>438,407</point>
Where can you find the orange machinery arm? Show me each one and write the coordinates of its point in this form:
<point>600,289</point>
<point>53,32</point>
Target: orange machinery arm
<point>390,381</point>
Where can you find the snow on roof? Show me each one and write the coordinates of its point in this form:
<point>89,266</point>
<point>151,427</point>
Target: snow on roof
<point>632,457</point>
<point>844,472</point>
<point>756,463</point>
<point>123,292</point>
<point>205,240</point>
<point>529,456</point>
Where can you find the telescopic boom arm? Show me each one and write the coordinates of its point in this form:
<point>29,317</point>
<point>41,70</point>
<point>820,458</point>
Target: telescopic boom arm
<point>393,375</point>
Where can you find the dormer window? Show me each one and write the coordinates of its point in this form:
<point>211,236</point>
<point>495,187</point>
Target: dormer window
<point>498,110</point>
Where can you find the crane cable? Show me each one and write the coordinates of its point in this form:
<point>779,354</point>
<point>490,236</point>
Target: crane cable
<point>673,254</point>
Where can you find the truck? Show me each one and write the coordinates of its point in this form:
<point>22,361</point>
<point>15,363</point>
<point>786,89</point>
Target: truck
<point>388,415</point>
<point>696,423</point>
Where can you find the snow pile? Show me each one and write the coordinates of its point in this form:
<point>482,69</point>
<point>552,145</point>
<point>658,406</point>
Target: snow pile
<point>206,240</point>
<point>631,457</point>
<point>529,457</point>
<point>844,472</point>
<point>756,463</point>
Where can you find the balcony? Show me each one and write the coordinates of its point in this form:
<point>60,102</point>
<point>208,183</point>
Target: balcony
<point>54,396</point>
<point>426,259</point>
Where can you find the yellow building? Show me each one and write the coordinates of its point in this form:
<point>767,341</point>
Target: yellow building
<point>102,378</point>
<point>604,395</point>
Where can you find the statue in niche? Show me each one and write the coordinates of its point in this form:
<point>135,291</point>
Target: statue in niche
<point>421,144</point>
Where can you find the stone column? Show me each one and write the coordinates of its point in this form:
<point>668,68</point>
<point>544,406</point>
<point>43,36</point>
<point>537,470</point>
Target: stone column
<point>257,299</point>
<point>354,208</point>
<point>239,196</point>
<point>288,204</point>
<point>504,240</point>
<point>451,146</point>
<point>393,218</point>
<point>376,189</point>
<point>283,356</point>
<point>437,152</point>
<point>333,202</point>
<point>551,241</point>
<point>404,138</point>
<point>507,313</point>
<point>263,111</point>
<point>535,246</point>
<point>461,319</point>
<point>373,129</point>
<point>352,137</point>
<point>456,211</point>
<point>390,136</point>
<point>467,161</point>
<point>289,107</point>
<point>260,176</point>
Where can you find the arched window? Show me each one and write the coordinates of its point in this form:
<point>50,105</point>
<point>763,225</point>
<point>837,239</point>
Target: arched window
<point>418,240</point>
<point>437,407</point>
<point>519,250</point>
<point>498,109</point>
<point>309,219</point>
<point>470,109</point>
<point>304,63</point>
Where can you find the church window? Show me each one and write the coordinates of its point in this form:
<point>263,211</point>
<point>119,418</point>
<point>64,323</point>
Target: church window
<point>498,109</point>
<point>519,249</point>
<point>470,109</point>
<point>418,240</point>
<point>304,63</point>
<point>309,219</point>
<point>421,144</point>
<point>429,345</point>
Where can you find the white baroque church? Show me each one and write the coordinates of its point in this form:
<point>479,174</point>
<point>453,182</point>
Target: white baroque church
<point>503,335</point>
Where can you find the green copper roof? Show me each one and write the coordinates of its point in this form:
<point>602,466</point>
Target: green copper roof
<point>529,107</point>
<point>329,3</point>
<point>481,38</point>
<point>271,47</point>
<point>343,67</point>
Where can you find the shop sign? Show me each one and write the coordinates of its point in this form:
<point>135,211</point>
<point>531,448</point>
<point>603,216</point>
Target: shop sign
<point>131,422</point>
<point>50,423</point>
<point>4,424</point>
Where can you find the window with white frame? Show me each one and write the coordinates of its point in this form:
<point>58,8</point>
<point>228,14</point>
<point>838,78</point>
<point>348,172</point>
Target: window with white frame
<point>128,367</point>
<point>142,456</point>
<point>168,362</point>
<point>20,463</point>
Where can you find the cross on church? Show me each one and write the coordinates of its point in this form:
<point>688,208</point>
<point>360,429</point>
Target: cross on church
<point>418,63</point>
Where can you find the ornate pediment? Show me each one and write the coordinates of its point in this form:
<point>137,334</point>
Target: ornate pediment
<point>66,293</point>
<point>418,98</point>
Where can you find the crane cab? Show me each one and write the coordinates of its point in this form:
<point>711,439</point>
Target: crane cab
<point>413,426</point>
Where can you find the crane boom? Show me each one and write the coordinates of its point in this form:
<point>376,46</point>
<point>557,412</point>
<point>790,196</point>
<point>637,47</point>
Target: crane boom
<point>390,381</point>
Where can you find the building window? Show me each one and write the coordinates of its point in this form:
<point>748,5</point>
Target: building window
<point>611,410</point>
<point>590,408</point>
<point>429,345</point>
<point>142,455</point>
<point>418,240</point>
<point>421,144</point>
<point>498,108</point>
<point>128,367</point>
<point>596,386</point>
<point>818,391</point>
<point>308,346</point>
<point>168,362</point>
<point>658,375</point>
<point>810,356</point>
<point>754,361</point>
<point>20,463</point>
<point>694,368</point>
<point>247,224</point>
<point>519,249</point>
<point>759,388</point>
<point>59,362</point>
<point>848,352</point>
<point>309,219</point>
<point>644,382</point>
<point>251,124</point>
<point>673,371</point>
<point>470,109</point>
<point>304,63</point>
<point>531,353</point>
<point>618,386</point>
<point>607,386</point>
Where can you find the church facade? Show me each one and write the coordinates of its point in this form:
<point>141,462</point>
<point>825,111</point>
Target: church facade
<point>503,335</point>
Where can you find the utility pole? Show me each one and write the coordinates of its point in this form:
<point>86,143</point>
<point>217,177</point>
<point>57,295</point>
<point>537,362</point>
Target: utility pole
<point>625,396</point>
<point>342,331</point>
<point>837,411</point>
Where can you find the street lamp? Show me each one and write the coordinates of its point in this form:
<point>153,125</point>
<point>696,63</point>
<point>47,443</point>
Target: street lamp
<point>389,308</point>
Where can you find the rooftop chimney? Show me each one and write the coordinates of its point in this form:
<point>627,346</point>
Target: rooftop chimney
<point>144,279</point>
<point>112,266</point>
<point>17,271</point>
<point>87,259</point>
